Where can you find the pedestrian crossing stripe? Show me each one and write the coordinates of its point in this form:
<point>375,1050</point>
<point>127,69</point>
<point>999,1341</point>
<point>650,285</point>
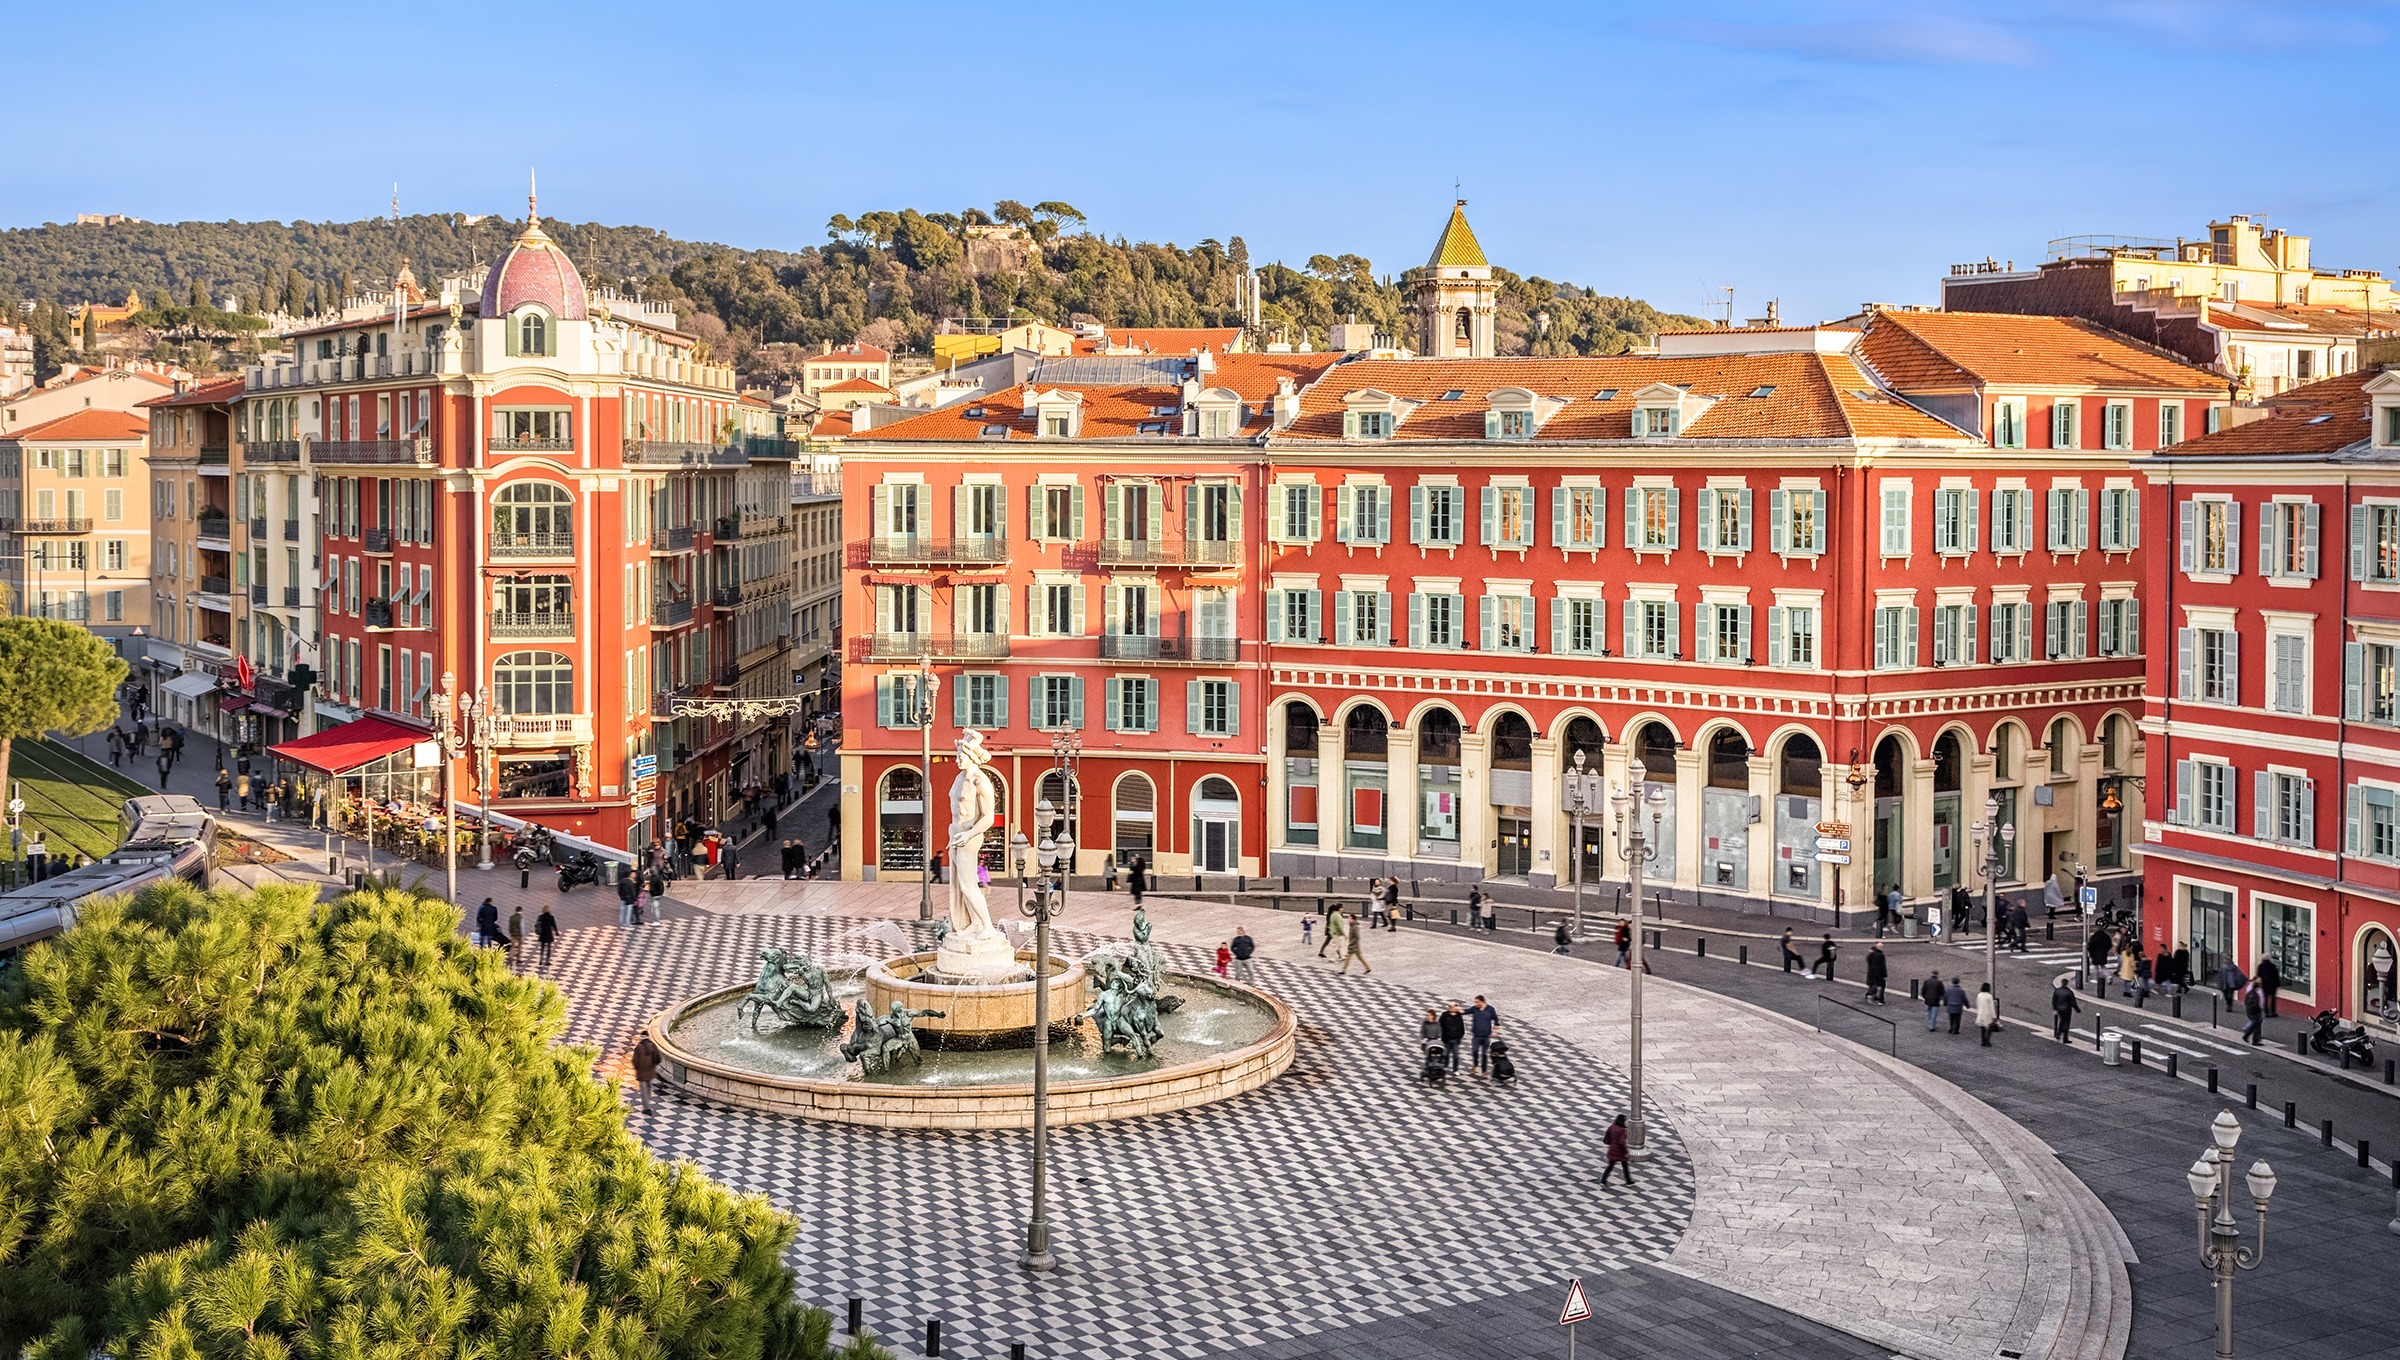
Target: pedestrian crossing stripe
<point>2177,1036</point>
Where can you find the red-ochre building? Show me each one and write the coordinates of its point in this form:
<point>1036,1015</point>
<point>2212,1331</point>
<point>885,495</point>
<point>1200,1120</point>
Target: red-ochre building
<point>1356,614</point>
<point>2274,696</point>
<point>529,486</point>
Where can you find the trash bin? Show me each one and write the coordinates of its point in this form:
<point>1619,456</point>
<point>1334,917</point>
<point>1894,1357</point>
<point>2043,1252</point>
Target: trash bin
<point>2111,1041</point>
<point>1908,920</point>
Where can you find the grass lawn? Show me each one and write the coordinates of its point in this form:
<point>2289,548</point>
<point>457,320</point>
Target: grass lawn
<point>71,801</point>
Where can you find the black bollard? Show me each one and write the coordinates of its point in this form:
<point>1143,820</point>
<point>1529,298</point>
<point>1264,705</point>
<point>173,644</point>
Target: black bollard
<point>2362,1152</point>
<point>858,1308</point>
<point>2137,1052</point>
<point>1745,956</point>
<point>2325,1133</point>
<point>2141,1000</point>
<point>2212,1081</point>
<point>2177,999</point>
<point>2170,1066</point>
<point>2049,930</point>
<point>1017,1351</point>
<point>1700,947</point>
<point>2251,1095</point>
<point>1454,916</point>
<point>1241,883</point>
<point>1287,883</point>
<point>2291,1115</point>
<point>933,1336</point>
<point>525,878</point>
<point>2300,1043</point>
<point>2387,1071</point>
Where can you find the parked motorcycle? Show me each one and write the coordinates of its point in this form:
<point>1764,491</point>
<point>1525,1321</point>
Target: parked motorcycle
<point>581,867</point>
<point>2346,1042</point>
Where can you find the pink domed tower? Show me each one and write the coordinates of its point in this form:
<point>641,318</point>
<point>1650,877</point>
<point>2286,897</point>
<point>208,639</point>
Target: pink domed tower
<point>534,270</point>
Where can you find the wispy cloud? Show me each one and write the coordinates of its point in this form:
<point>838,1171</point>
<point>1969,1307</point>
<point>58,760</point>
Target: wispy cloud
<point>1918,37</point>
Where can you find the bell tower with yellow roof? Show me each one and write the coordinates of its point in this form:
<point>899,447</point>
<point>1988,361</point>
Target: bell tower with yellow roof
<point>1455,298</point>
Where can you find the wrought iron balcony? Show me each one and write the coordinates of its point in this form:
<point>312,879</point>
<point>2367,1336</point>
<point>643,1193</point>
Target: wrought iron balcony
<point>674,454</point>
<point>670,613</point>
<point>215,585</point>
<point>728,526</point>
<point>376,541</point>
<point>291,531</point>
<point>291,597</point>
<point>258,528</point>
<point>1142,647</point>
<point>258,594</point>
<point>1169,552</point>
<point>938,646</point>
<point>677,539</point>
<point>534,623</point>
<point>267,451</point>
<point>533,443</point>
<point>46,526</point>
<point>215,455</point>
<point>378,613</point>
<point>375,452</point>
<point>545,543</point>
<point>725,597</point>
<point>974,550</point>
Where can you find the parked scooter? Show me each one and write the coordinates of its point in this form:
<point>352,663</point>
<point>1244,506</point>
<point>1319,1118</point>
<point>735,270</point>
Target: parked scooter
<point>2346,1042</point>
<point>581,867</point>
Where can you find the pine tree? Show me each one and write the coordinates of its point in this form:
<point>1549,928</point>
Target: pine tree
<point>254,1124</point>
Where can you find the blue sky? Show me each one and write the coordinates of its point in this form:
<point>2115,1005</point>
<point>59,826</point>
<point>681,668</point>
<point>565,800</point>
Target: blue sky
<point>1823,153</point>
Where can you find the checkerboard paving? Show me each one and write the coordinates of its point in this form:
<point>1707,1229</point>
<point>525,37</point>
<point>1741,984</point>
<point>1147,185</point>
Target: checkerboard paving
<point>1343,1192</point>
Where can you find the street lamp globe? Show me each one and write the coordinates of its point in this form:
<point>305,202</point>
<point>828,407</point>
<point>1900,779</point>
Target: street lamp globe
<point>2226,1130</point>
<point>2203,1180</point>
<point>1991,812</point>
<point>1017,845</point>
<point>1636,772</point>
<point>2262,1183</point>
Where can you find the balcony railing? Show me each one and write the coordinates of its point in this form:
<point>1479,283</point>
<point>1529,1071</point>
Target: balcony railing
<point>1139,647</point>
<point>269,451</point>
<point>218,525</point>
<point>669,454</point>
<point>258,594</point>
<point>291,531</point>
<point>535,623</point>
<point>533,443</point>
<point>215,455</point>
<point>378,613</point>
<point>678,539</point>
<point>375,452</point>
<point>258,528</point>
<point>729,674</point>
<point>975,550</point>
<point>1169,552</point>
<point>816,484</point>
<point>545,543</point>
<point>377,541</point>
<point>670,613</point>
<point>215,585</point>
<point>728,526</point>
<point>291,597</point>
<point>45,526</point>
<point>939,646</point>
<point>725,597</point>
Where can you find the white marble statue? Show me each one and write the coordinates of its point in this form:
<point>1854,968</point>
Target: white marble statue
<point>974,946</point>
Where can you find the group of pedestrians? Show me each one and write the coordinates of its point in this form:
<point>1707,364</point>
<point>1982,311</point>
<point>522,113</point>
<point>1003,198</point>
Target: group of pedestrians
<point>1826,952</point>
<point>1450,1027</point>
<point>1951,999</point>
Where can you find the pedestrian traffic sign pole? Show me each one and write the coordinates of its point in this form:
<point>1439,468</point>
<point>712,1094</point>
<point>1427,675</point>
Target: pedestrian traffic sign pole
<point>1577,1309</point>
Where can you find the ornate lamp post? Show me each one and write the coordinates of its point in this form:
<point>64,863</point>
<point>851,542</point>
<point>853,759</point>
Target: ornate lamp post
<point>1580,801</point>
<point>1043,908</point>
<point>1639,848</point>
<point>2221,1249</point>
<point>928,687</point>
<point>446,734</point>
<point>1993,844</point>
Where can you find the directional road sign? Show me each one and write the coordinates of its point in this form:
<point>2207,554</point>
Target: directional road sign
<point>1833,843</point>
<point>1832,857</point>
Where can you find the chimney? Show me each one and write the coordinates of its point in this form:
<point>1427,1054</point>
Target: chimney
<point>1286,403</point>
<point>828,348</point>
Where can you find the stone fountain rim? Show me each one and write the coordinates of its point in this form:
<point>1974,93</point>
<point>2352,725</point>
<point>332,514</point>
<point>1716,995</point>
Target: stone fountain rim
<point>832,1100</point>
<point>880,971</point>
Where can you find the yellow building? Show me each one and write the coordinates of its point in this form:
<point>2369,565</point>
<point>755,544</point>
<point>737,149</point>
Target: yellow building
<point>75,521</point>
<point>190,568</point>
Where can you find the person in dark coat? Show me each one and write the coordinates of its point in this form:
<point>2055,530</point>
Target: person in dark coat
<point>2098,946</point>
<point>645,1069</point>
<point>1243,947</point>
<point>1954,1000</point>
<point>2063,1006</point>
<point>1790,955</point>
<point>2254,1015</point>
<point>1931,992</point>
<point>2230,981</point>
<point>1624,943</point>
<point>224,787</point>
<point>2183,969</point>
<point>2019,926</point>
<point>2270,978</point>
<point>1391,903</point>
<point>1137,878</point>
<point>1620,1154</point>
<point>487,923</point>
<point>1824,961</point>
<point>116,747</point>
<point>1481,1017</point>
<point>1454,1032</point>
<point>1879,971</point>
<point>545,934</point>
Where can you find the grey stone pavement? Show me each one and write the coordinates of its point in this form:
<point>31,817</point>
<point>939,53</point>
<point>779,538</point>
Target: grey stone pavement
<point>1811,1155</point>
<point>2327,1290</point>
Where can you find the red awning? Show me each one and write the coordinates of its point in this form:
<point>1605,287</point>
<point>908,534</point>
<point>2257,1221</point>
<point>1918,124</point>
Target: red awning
<point>233,703</point>
<point>339,749</point>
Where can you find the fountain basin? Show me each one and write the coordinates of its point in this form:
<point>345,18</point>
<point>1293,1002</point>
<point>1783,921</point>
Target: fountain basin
<point>973,1013</point>
<point>1227,1039</point>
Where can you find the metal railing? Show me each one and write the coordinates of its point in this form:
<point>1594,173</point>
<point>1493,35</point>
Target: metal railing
<point>1142,647</point>
<point>215,455</point>
<point>218,525</point>
<point>269,451</point>
<point>258,593</point>
<point>1169,552</point>
<point>376,541</point>
<point>677,539</point>
<point>728,526</point>
<point>670,453</point>
<point>1891,1037</point>
<point>216,585</point>
<point>47,526</point>
<point>258,528</point>
<point>291,597</point>
<point>975,550</point>
<point>725,597</point>
<point>534,623</point>
<point>670,613</point>
<point>291,531</point>
<point>375,451</point>
<point>939,646</point>
<point>378,613</point>
<point>533,443</point>
<point>543,543</point>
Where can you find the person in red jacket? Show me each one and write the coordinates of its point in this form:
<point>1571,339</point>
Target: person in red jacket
<point>1619,1157</point>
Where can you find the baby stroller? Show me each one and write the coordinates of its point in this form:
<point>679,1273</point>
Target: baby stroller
<point>1504,1069</point>
<point>1437,1063</point>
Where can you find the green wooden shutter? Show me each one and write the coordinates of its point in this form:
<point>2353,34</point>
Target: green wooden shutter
<point>1191,708</point>
<point>1599,518</point>
<point>1078,516</point>
<point>1349,424</point>
<point>1112,521</point>
<point>1633,629</point>
<point>1316,514</point>
<point>1383,514</point>
<point>1558,625</point>
<point>958,700</point>
<point>1233,707</point>
<point>1745,540</point>
<point>1111,690</point>
<point>1416,515</point>
<point>1416,619</point>
<point>1000,701</point>
<point>1383,618</point>
<point>1674,633</point>
<point>1316,616</point>
<point>1491,424</point>
<point>1274,601</point>
<point>1491,515</point>
<point>1558,518</point>
<point>2354,680</point>
<point>1779,516</point>
<point>1708,519</point>
<point>1345,500</point>
<point>1776,619</point>
<point>1075,701</point>
<point>1674,497</point>
<point>883,701</point>
<point>1080,628</point>
<point>1489,621</point>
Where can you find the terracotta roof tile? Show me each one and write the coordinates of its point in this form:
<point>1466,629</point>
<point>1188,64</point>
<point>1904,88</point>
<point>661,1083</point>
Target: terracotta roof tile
<point>856,385</point>
<point>1801,396</point>
<point>93,425</point>
<point>1108,413</point>
<point>1932,351</point>
<point>856,352</point>
<point>2323,417</point>
<point>205,394</point>
<point>1174,339</point>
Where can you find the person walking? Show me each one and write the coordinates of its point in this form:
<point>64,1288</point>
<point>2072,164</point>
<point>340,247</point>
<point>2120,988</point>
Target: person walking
<point>2254,1015</point>
<point>1374,904</point>
<point>224,787</point>
<point>165,763</point>
<point>2183,970</point>
<point>1954,1000</point>
<point>2019,926</point>
<point>2097,947</point>
<point>1930,992</point>
<point>1624,943</point>
<point>516,932</point>
<point>1137,882</point>
<point>1475,907</point>
<point>1243,948</point>
<point>545,934</point>
<point>116,747</point>
<point>1333,930</point>
<point>645,1070</point>
<point>1308,923</point>
<point>1453,1033</point>
<point>1987,1012</point>
<point>1481,1017</point>
<point>1562,940</point>
<point>487,923</point>
<point>2230,981</point>
<point>2126,971</point>
<point>1430,1032</point>
<point>1391,903</point>
<point>1620,1157</point>
<point>1824,959</point>
<point>1491,915</point>
<point>1224,957</point>
<point>629,886</point>
<point>2063,1006</point>
<point>2270,980</point>
<point>1354,946</point>
<point>1879,967</point>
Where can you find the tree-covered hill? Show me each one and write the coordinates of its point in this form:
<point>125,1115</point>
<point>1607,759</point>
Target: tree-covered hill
<point>891,276</point>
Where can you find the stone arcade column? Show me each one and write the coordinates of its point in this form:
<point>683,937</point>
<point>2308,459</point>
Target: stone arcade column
<point>1277,796</point>
<point>1550,833</point>
<point>1916,817</point>
<point>1761,833</point>
<point>1475,826</point>
<point>1614,757</point>
<point>1400,799</point>
<point>1856,880</point>
<point>1691,821</point>
<point>1333,800</point>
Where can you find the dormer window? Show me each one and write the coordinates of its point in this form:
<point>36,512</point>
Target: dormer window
<point>2391,426</point>
<point>1059,426</point>
<point>1371,424</point>
<point>1516,424</point>
<point>1654,421</point>
<point>529,333</point>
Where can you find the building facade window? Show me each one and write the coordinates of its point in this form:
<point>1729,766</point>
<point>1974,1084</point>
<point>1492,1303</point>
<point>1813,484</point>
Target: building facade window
<point>1508,516</point>
<point>1792,636</point>
<point>2204,794</point>
<point>1301,510</point>
<point>1954,514</point>
<point>1507,623</point>
<point>1579,516</point>
<point>2288,662</point>
<point>2120,519</point>
<point>1895,637</point>
<point>1895,526</point>
<point>1435,619</point>
<point>1650,629</point>
<point>2120,628</point>
<point>1723,632</point>
<point>2286,808</point>
<point>1434,517</point>
<point>1212,707</point>
<point>1132,704</point>
<point>2374,817</point>
<point>1799,521</point>
<point>2210,530</point>
<point>2289,547</point>
<point>1954,634</point>
<point>2371,682</point>
<point>2208,665</point>
<point>2375,541</point>
<point>1578,628</point>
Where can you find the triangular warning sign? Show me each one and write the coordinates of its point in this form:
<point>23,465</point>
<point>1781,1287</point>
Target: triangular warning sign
<point>1578,1309</point>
